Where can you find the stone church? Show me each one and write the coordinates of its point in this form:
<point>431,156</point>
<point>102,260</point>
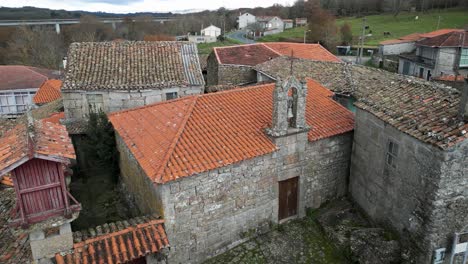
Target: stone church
<point>219,166</point>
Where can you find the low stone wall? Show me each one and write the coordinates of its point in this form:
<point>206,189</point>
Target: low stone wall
<point>236,75</point>
<point>76,103</point>
<point>423,197</point>
<point>213,211</point>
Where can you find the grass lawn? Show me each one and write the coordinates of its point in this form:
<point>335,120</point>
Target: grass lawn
<point>401,25</point>
<point>206,48</point>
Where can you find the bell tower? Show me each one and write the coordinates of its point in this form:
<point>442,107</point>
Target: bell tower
<point>289,107</point>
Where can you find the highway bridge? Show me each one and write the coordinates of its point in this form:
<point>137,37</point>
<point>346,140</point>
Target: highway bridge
<point>58,22</point>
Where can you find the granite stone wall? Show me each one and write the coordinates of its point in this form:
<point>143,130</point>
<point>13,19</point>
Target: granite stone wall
<point>423,196</point>
<point>221,74</point>
<point>213,211</point>
<point>76,103</point>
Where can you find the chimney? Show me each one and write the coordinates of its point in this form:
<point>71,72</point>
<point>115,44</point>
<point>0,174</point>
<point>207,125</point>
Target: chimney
<point>463,110</point>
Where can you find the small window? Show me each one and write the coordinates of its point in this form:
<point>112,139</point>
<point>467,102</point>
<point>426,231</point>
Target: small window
<point>392,153</point>
<point>464,58</point>
<point>170,96</point>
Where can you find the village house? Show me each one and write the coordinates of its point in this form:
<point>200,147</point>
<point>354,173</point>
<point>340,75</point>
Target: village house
<point>288,23</point>
<point>409,161</point>
<point>301,22</point>
<point>445,54</point>
<point>207,35</point>
<point>270,24</point>
<point>18,84</point>
<point>211,31</point>
<point>244,20</point>
<point>222,165</point>
<point>48,92</point>
<point>233,65</point>
<point>111,76</point>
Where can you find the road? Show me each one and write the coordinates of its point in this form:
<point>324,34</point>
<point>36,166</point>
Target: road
<point>239,36</point>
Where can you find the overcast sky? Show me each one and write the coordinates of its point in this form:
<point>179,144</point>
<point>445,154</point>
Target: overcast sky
<point>129,6</point>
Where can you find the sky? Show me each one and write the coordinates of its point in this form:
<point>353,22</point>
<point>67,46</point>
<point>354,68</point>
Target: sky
<point>132,6</point>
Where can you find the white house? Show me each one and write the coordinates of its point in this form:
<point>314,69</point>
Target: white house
<point>211,31</point>
<point>245,19</point>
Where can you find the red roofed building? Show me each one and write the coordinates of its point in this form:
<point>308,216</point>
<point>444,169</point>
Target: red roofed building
<point>233,65</point>
<point>48,92</point>
<point>221,164</point>
<point>445,54</point>
<point>18,84</point>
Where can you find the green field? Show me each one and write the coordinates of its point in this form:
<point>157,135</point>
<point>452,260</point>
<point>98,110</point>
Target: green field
<point>403,24</point>
<point>206,48</point>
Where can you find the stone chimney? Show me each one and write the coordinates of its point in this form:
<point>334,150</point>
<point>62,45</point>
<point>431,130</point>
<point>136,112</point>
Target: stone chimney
<point>463,110</point>
<point>289,105</point>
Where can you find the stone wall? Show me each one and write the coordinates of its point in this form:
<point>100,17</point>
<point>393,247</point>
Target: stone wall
<point>77,107</point>
<point>140,190</point>
<point>210,212</point>
<point>411,196</point>
<point>222,74</point>
<point>395,49</point>
<point>447,58</point>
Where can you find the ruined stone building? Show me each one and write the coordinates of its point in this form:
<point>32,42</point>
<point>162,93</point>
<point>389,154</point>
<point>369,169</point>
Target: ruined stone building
<point>112,76</point>
<point>234,65</point>
<point>222,165</point>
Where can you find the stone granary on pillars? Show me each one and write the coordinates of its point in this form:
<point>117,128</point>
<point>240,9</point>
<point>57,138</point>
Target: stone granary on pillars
<point>222,165</point>
<point>410,164</point>
<point>36,208</point>
<point>113,76</point>
<point>234,65</point>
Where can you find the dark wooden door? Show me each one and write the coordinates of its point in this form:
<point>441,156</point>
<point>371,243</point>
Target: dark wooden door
<point>288,190</point>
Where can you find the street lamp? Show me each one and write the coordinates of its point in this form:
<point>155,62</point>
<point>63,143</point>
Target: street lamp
<point>305,34</point>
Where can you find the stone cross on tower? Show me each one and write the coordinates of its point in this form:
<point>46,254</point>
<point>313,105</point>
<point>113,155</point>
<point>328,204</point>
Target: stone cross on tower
<point>289,106</point>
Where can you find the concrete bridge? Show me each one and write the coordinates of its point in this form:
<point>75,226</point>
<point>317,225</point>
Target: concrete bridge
<point>58,22</point>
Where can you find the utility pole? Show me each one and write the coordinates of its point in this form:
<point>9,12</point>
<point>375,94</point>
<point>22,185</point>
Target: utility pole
<point>305,34</point>
<point>438,23</point>
<point>361,49</point>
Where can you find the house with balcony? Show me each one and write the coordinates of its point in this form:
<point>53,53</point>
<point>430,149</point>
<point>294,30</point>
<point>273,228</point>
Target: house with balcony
<point>445,54</point>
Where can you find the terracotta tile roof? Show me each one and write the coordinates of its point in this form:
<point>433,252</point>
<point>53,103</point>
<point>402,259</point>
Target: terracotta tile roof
<point>14,77</point>
<point>132,65</point>
<point>14,246</point>
<point>118,242</point>
<point>439,32</point>
<point>6,180</point>
<point>48,92</point>
<point>254,54</point>
<point>48,140</point>
<point>194,134</point>
<point>303,51</point>
<point>450,78</point>
<point>408,38</point>
<point>55,118</point>
<point>424,110</point>
<point>452,39</point>
<point>250,54</point>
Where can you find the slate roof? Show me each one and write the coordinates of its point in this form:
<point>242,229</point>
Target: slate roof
<point>254,54</point>
<point>15,77</point>
<point>48,92</point>
<point>182,137</point>
<point>452,39</point>
<point>21,144</point>
<point>425,110</point>
<point>117,242</point>
<point>130,65</point>
<point>14,246</point>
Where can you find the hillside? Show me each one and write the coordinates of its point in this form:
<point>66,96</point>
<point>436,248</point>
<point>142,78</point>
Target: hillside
<point>403,24</point>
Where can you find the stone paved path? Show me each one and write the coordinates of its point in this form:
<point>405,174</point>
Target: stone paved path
<point>300,241</point>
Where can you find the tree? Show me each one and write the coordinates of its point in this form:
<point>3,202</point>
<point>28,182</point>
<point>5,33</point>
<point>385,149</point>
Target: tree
<point>321,25</point>
<point>89,29</point>
<point>38,46</point>
<point>346,34</point>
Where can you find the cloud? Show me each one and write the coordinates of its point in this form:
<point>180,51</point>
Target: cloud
<point>112,2</point>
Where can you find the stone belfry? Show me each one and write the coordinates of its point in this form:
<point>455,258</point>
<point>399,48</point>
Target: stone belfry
<point>289,107</point>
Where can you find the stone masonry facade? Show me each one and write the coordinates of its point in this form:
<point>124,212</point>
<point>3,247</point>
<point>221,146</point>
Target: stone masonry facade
<point>213,211</point>
<point>423,196</point>
<point>77,103</point>
<point>222,74</point>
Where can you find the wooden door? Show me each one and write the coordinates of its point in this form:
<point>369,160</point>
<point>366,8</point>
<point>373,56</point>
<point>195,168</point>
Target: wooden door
<point>288,190</point>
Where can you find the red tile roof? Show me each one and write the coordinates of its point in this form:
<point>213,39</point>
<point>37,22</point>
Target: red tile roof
<point>14,77</point>
<point>48,92</point>
<point>439,32</point>
<point>6,180</point>
<point>452,39</point>
<point>250,55</point>
<point>55,118</point>
<point>119,242</point>
<point>194,134</point>
<point>49,140</point>
<point>254,54</point>
<point>450,78</point>
<point>303,51</point>
<point>418,36</point>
